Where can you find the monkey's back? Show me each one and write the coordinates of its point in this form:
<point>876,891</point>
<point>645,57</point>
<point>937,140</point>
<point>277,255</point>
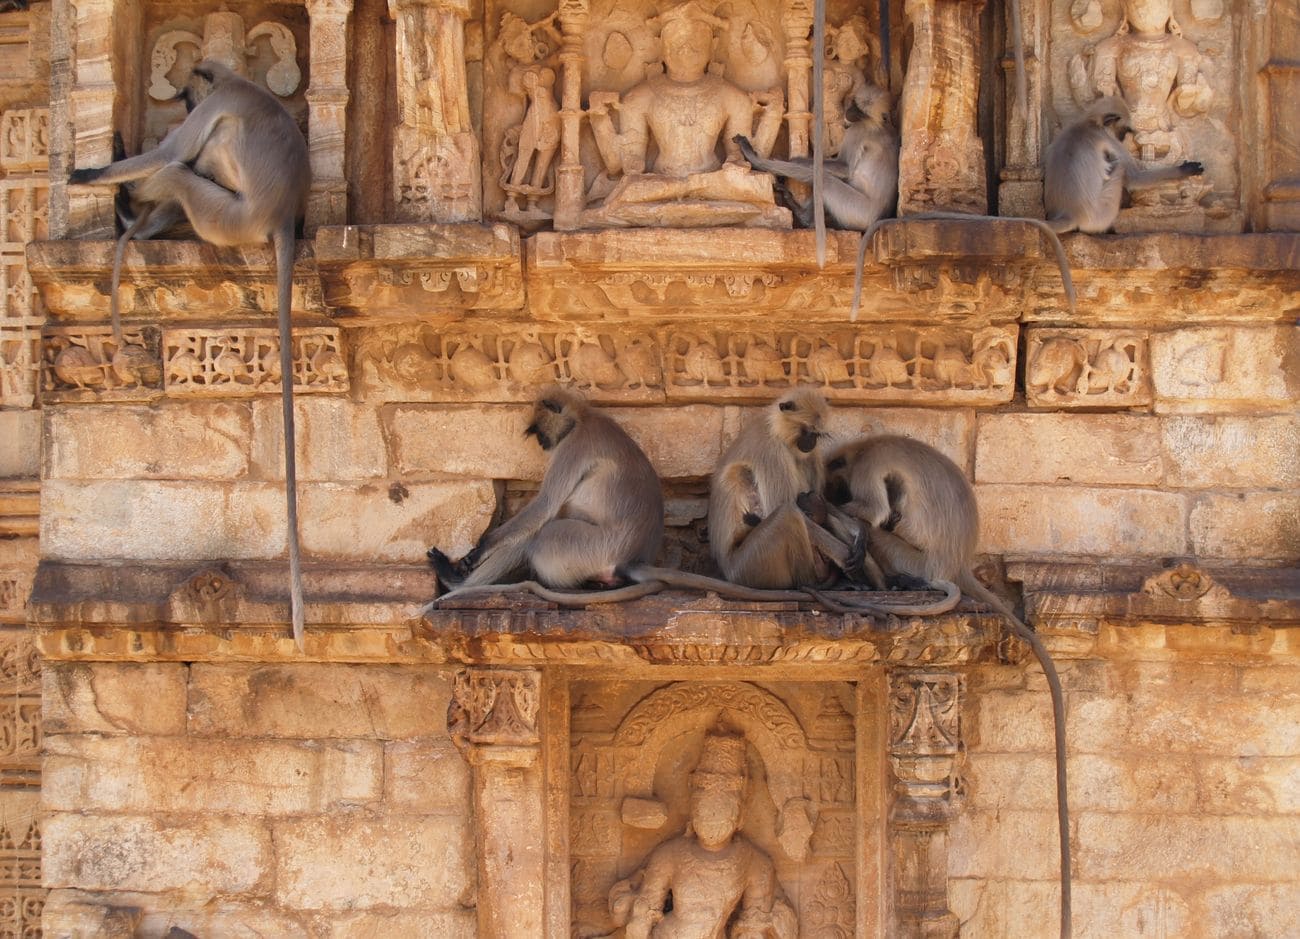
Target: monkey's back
<point>938,510</point>
<point>627,500</point>
<point>1079,182</point>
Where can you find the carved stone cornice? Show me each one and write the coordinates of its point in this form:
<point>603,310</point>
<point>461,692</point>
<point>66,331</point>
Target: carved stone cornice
<point>403,271</point>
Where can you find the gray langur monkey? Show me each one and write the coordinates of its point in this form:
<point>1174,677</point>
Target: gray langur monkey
<point>861,186</point>
<point>923,523</point>
<point>237,169</point>
<point>598,519</point>
<point>1087,168</point>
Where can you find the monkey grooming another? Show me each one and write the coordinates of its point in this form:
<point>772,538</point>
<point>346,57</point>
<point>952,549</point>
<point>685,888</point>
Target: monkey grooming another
<point>598,519</point>
<point>862,184</point>
<point>1087,168</point>
<point>237,168</point>
<point>923,522</point>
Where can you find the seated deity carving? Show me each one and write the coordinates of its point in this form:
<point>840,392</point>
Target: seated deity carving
<point>672,161</point>
<point>721,883</point>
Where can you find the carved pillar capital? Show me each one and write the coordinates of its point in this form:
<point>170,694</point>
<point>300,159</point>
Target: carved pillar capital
<point>492,718</point>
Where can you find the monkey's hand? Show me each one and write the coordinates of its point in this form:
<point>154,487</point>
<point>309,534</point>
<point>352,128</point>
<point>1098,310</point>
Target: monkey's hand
<point>812,505</point>
<point>84,177</point>
<point>746,149</point>
<point>1191,168</point>
<point>853,567</point>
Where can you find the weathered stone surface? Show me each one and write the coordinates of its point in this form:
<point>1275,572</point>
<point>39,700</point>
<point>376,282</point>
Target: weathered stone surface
<point>1058,448</point>
<point>1255,525</point>
<point>487,441</point>
<point>425,777</point>
<point>106,698</point>
<point>21,453</point>
<point>203,856</point>
<point>1252,909</point>
<point>335,439</point>
<point>458,924</point>
<point>1008,909</point>
<point>1076,520</point>
<point>325,701</point>
<point>393,521</point>
<point>1224,847</point>
<point>199,440</point>
<point>1232,452</point>
<point>1210,723</point>
<point>1221,368</point>
<point>1126,908</point>
<point>1011,721</point>
<point>1004,844</point>
<point>350,863</point>
<point>161,519</point>
<point>229,777</point>
<point>1246,782</point>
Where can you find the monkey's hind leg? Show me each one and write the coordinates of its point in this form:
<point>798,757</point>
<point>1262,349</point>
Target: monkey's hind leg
<point>570,552</point>
<point>775,554</point>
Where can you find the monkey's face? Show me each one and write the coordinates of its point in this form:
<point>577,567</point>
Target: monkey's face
<point>837,490</point>
<point>203,78</point>
<point>1112,114</point>
<point>553,418</point>
<point>869,103</point>
<point>798,419</point>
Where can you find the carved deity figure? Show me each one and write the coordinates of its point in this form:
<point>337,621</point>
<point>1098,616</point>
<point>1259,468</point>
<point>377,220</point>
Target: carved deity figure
<point>686,112</point>
<point>1157,72</point>
<point>532,142</point>
<point>723,886</point>
<point>849,48</point>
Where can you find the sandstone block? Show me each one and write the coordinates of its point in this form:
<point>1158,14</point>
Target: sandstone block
<point>1096,723</point>
<point>458,924</point>
<point>1277,679</point>
<point>682,441</point>
<point>1013,844</point>
<point>1225,368</point>
<point>204,857</point>
<point>393,522</point>
<point>1255,525</point>
<point>1215,724</point>
<point>1232,452</point>
<point>1247,783</point>
<point>104,698</point>
<point>949,432</point>
<point>239,919</point>
<point>1077,520</point>
<point>1024,909</point>
<point>1125,908</point>
<point>425,777</point>
<point>235,777</point>
<point>1012,721</point>
<point>161,520</point>
<point>194,440</point>
<point>352,863</point>
<point>335,439</point>
<point>1252,909</point>
<point>21,453</point>
<point>1114,449</point>
<point>1028,781</point>
<point>318,701</point>
<point>1231,848</point>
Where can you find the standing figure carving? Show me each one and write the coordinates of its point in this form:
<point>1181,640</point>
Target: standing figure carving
<point>1158,73</point>
<point>662,164</point>
<point>721,883</point>
<point>527,54</point>
<point>849,49</point>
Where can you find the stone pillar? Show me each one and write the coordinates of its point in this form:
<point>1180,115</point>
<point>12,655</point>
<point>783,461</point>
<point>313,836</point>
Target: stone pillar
<point>796,20</point>
<point>924,737</point>
<point>437,175</point>
<point>493,721</point>
<point>99,94</point>
<point>327,104</point>
<point>1021,192</point>
<point>941,166</point>
<point>569,183</point>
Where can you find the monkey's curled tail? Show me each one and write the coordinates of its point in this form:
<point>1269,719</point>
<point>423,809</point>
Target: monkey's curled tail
<point>650,580</point>
<point>114,313</point>
<point>976,589</point>
<point>1062,262</point>
<point>283,239</point>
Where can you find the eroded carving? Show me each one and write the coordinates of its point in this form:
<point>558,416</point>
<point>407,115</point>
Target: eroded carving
<point>721,883</point>
<point>247,361</point>
<point>87,364</point>
<point>1185,582</point>
<point>494,707</point>
<point>24,212</point>
<point>25,140</point>
<point>1177,86</point>
<point>851,50</point>
<point>924,711</point>
<point>1087,368</point>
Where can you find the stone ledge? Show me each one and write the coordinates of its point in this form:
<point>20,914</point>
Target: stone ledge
<point>169,281</point>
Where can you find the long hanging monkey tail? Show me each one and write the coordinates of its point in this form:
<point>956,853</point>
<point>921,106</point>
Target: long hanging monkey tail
<point>284,244</point>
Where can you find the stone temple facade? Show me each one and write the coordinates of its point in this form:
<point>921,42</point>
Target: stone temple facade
<point>508,193</point>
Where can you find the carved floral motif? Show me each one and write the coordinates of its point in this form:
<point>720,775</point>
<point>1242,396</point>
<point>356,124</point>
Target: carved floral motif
<point>25,140</point>
<point>924,710</point>
<point>247,361</point>
<point>1185,582</point>
<point>1087,368</point>
<point>494,706</point>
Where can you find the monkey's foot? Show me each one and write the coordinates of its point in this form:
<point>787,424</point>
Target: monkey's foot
<point>449,573</point>
<point>907,582</point>
<point>83,177</point>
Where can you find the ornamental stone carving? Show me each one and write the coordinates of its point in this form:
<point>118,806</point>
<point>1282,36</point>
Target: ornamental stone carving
<point>1069,368</point>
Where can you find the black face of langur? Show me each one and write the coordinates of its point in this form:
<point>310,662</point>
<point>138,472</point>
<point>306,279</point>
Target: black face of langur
<point>837,482</point>
<point>799,419</point>
<point>553,418</point>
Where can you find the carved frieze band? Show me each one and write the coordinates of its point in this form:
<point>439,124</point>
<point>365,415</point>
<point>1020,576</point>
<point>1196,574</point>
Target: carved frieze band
<point>494,707</point>
<point>878,363</point>
<point>1072,368</point>
<point>84,364</point>
<point>25,140</point>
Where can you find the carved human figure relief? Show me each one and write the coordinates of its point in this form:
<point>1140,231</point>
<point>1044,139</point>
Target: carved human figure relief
<point>714,874</point>
<point>1178,89</point>
<point>851,50</point>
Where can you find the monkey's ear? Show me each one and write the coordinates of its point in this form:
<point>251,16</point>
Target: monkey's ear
<point>837,464</point>
<point>786,405</point>
<point>553,406</point>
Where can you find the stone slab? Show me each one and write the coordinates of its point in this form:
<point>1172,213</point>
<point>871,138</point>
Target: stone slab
<point>110,699</point>
<point>1065,520</point>
<point>1109,449</point>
